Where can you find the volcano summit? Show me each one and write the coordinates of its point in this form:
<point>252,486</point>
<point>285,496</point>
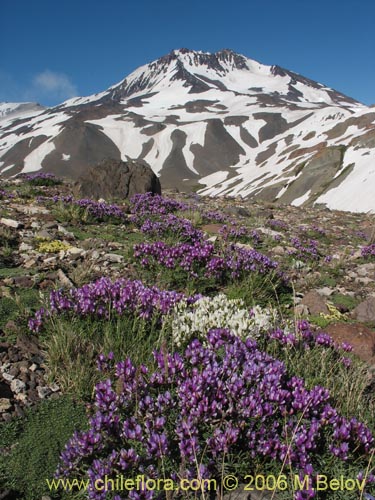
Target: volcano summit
<point>220,122</point>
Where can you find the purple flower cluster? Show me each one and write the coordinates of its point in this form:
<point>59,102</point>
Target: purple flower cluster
<point>304,250</point>
<point>319,230</point>
<point>368,251</point>
<point>223,398</point>
<point>239,233</point>
<point>40,179</point>
<point>215,216</point>
<point>6,195</point>
<point>202,255</point>
<point>100,211</point>
<point>277,224</point>
<point>180,228</point>
<point>305,338</point>
<point>37,176</point>
<point>148,203</point>
<point>104,298</point>
<point>360,234</point>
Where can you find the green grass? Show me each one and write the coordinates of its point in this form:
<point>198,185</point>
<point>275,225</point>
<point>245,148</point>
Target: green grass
<point>344,301</point>
<point>44,182</point>
<point>18,308</point>
<point>26,191</point>
<point>322,366</point>
<point>73,345</point>
<point>320,321</point>
<point>14,272</point>
<point>106,232</point>
<point>327,280</point>
<point>262,290</point>
<point>30,447</point>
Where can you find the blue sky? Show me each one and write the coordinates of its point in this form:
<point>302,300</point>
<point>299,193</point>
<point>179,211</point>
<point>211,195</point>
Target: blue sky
<point>51,50</point>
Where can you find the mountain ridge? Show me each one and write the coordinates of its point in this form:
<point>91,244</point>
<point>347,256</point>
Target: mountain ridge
<point>221,121</point>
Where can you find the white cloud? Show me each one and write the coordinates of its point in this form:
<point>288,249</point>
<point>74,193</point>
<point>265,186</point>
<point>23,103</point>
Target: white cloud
<point>55,84</point>
<point>47,87</point>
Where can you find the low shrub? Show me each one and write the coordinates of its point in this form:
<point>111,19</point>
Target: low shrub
<point>53,246</point>
<point>197,319</point>
<point>41,179</point>
<point>122,316</point>
<point>30,447</point>
<point>218,409</point>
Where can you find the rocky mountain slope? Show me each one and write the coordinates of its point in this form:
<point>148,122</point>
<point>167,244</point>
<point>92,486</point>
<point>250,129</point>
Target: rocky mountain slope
<point>219,122</point>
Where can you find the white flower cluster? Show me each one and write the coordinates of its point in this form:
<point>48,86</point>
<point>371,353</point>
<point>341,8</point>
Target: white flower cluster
<point>196,320</point>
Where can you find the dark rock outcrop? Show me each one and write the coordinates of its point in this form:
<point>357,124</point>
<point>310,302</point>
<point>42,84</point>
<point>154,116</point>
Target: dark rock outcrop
<point>117,179</point>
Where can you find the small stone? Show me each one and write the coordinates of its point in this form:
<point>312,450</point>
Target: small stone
<point>46,235</point>
<point>8,377</point>
<point>64,280</point>
<point>24,247</point>
<point>114,258</point>
<point>366,269</point>
<point>95,255</point>
<point>23,366</point>
<point>11,223</point>
<point>5,405</point>
<point>278,250</point>
<point>29,263</point>
<point>4,367</point>
<point>325,292</point>
<point>49,225</point>
<point>365,311</point>
<point>17,386</point>
<point>315,303</point>
<point>22,397</point>
<point>269,232</point>
<point>14,370</point>
<point>4,346</point>
<point>50,260</point>
<point>75,251</point>
<point>33,210</point>
<point>363,281</point>
<point>33,367</point>
<point>301,310</point>
<point>54,387</point>
<point>43,392</point>
<point>62,230</point>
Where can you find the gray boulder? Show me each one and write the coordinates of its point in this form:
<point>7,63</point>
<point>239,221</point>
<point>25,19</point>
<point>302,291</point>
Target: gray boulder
<point>365,311</point>
<point>117,179</point>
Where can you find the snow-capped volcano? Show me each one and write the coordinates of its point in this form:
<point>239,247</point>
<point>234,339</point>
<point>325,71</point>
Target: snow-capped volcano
<point>222,122</point>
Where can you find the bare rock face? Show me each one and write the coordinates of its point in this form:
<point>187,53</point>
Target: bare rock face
<point>117,179</point>
<point>315,303</point>
<point>365,311</point>
<point>358,335</point>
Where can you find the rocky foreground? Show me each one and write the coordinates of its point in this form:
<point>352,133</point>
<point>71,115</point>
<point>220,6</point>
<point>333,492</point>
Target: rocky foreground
<point>123,266</point>
<point>322,252</point>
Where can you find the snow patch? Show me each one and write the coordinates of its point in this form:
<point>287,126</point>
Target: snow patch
<point>215,178</point>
